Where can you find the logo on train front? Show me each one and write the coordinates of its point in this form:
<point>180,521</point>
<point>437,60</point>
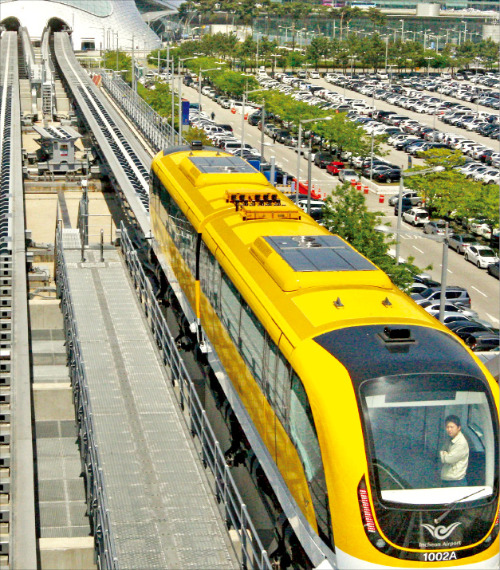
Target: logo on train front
<point>441,532</point>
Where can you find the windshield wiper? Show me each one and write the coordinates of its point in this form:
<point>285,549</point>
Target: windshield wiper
<point>454,504</point>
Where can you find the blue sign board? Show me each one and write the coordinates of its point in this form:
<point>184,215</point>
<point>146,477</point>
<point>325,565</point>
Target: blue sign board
<point>185,113</point>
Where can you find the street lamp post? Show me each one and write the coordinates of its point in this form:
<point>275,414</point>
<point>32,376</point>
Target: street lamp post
<point>402,30</point>
<point>179,79</point>
<point>428,59</point>
<point>199,82</point>
<point>444,262</point>
<point>245,93</point>
<point>386,51</point>
<point>299,144</point>
<point>400,200</point>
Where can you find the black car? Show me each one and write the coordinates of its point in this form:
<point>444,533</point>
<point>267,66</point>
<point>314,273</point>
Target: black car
<point>322,159</point>
<point>493,269</point>
<point>254,118</point>
<point>406,204</point>
<point>388,175</point>
<point>482,341</point>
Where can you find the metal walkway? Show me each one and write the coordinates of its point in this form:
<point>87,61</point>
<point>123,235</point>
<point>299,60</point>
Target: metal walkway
<point>159,510</point>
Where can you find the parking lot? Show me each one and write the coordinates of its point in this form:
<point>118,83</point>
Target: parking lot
<point>483,288</point>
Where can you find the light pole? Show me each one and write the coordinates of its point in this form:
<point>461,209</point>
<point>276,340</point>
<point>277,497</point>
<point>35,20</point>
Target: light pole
<point>199,82</point>
<point>428,59</point>
<point>444,261</point>
<point>179,88</point>
<point>402,30</point>
<point>386,51</point>
<point>245,93</point>
<point>400,200</point>
<point>299,144</point>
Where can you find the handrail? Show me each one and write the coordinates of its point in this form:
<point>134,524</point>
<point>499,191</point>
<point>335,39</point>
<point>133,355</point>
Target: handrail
<point>253,554</point>
<point>153,126</point>
<point>97,501</point>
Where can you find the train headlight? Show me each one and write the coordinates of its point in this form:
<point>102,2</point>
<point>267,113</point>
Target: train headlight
<point>380,543</point>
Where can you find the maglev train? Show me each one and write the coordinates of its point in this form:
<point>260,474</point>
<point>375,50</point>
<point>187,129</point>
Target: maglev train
<point>350,383</point>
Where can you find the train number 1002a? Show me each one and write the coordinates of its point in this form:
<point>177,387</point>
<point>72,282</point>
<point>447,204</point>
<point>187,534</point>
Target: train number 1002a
<point>439,556</point>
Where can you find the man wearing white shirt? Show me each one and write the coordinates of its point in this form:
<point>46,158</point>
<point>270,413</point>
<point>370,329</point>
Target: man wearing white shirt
<point>455,456</point>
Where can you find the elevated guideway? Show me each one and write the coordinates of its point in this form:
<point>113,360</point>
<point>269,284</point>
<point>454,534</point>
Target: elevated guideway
<point>127,160</point>
<point>17,505</point>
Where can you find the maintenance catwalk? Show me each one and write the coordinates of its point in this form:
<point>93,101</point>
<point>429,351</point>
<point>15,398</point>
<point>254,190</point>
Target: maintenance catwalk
<point>156,503</point>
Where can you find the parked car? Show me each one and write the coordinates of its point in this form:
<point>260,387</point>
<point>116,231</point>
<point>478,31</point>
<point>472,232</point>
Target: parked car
<point>405,206</point>
<point>453,293</point>
<point>480,255</point>
<point>387,175</point>
<point>414,198</point>
<point>482,341</point>
<point>416,216</point>
<point>347,174</point>
<point>323,159</point>
<point>459,242</point>
<point>433,307</point>
<point>493,269</point>
<point>335,167</point>
<point>436,227</point>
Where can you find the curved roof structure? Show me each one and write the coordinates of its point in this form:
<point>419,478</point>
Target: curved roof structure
<point>96,24</point>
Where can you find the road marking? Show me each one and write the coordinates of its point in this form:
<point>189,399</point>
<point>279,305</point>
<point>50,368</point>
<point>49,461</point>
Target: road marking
<point>492,318</point>
<point>285,159</point>
<point>475,289</point>
<point>414,247</point>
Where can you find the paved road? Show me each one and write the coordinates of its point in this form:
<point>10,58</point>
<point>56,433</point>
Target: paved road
<point>483,289</point>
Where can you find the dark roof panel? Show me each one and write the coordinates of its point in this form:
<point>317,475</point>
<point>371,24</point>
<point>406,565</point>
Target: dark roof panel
<point>319,253</point>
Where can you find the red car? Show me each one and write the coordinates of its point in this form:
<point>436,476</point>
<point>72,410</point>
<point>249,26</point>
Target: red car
<point>334,167</point>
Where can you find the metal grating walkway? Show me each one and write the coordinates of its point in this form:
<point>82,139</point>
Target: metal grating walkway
<point>162,515</point>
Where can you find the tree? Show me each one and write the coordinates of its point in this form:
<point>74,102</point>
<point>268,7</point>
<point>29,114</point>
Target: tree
<point>317,49</point>
<point>346,214</point>
<point>376,16</point>
<point>124,61</point>
<point>450,193</point>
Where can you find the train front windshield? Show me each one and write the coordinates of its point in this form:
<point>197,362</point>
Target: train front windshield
<point>417,458</point>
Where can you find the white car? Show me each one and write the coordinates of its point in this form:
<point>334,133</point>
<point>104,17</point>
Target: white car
<point>480,255</point>
<point>416,216</point>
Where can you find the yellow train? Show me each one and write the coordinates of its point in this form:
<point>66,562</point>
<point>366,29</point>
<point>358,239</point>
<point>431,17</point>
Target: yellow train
<point>348,381</point>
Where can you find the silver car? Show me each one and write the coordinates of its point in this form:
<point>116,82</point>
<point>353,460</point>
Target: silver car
<point>459,242</point>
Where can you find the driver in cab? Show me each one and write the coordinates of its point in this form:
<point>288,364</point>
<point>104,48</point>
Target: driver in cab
<point>455,455</point>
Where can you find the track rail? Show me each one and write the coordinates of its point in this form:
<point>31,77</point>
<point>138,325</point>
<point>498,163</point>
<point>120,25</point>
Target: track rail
<point>16,447</point>
<point>125,156</point>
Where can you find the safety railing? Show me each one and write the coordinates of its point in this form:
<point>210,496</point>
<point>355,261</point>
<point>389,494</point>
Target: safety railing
<point>153,126</point>
<point>253,554</point>
<point>97,501</point>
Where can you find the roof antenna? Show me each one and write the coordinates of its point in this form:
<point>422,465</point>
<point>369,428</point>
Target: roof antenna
<point>386,302</point>
<point>338,303</point>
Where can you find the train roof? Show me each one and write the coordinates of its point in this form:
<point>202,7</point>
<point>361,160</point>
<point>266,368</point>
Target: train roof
<point>298,278</point>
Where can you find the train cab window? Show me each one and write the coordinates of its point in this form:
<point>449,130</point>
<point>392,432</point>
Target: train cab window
<point>405,420</point>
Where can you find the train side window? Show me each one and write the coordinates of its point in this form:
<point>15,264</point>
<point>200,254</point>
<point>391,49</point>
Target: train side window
<point>252,336</point>
<point>282,393</point>
<point>210,276</point>
<point>271,364</point>
<point>230,308</point>
<point>303,434</point>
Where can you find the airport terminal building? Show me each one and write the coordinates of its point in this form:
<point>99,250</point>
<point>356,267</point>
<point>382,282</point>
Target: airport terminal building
<point>95,24</point>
